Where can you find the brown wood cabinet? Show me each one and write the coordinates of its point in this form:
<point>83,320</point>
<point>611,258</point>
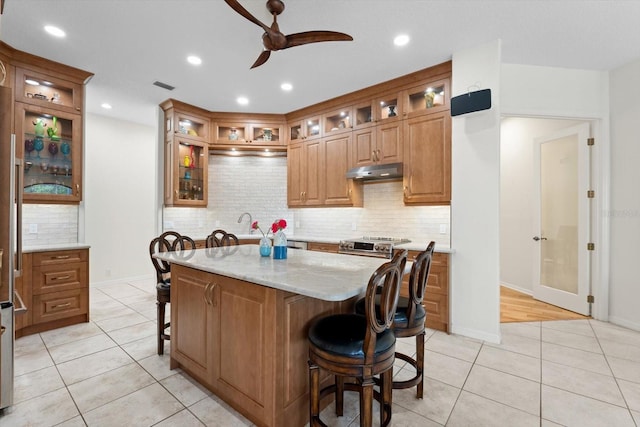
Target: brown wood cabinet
<point>244,132</point>
<point>48,123</point>
<point>186,156</point>
<point>427,153</point>
<point>436,299</point>
<point>323,247</point>
<point>307,128</point>
<point>245,342</point>
<point>306,171</point>
<point>338,190</point>
<point>54,290</point>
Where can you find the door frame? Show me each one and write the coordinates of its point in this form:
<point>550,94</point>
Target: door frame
<point>600,221</point>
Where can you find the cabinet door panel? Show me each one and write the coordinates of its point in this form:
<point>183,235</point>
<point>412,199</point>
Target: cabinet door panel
<point>295,177</point>
<point>191,340</point>
<point>389,140</point>
<point>59,305</point>
<point>364,144</point>
<point>338,159</point>
<point>314,173</point>
<point>427,175</point>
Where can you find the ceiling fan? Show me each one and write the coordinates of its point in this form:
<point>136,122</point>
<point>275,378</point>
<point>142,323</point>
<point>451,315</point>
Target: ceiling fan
<point>273,39</point>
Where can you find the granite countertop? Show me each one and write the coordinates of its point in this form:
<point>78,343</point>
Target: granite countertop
<point>414,245</point>
<point>55,247</point>
<point>326,276</point>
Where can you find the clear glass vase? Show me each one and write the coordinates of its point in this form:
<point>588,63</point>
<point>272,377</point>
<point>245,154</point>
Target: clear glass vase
<point>279,245</point>
<point>265,247</point>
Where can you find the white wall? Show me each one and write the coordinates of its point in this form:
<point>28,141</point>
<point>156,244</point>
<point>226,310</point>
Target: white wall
<point>580,94</point>
<point>120,195</point>
<point>624,213</point>
<point>475,297</point>
<point>517,136</point>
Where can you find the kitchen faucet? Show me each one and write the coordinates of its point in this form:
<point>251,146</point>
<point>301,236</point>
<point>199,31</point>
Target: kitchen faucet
<point>250,221</point>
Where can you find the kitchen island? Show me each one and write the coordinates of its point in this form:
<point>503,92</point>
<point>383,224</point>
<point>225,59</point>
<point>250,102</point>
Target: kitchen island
<point>239,322</point>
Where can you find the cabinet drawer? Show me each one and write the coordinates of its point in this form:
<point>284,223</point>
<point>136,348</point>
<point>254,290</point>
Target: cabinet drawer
<point>54,278</point>
<point>323,247</point>
<point>59,257</point>
<point>54,306</point>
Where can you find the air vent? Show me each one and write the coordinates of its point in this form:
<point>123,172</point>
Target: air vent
<point>163,85</point>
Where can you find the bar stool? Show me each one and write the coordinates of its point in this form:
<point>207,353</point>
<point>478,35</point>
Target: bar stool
<point>358,346</point>
<point>219,238</point>
<point>410,317</point>
<point>166,242</point>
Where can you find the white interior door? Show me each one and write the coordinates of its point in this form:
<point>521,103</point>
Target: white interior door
<point>562,219</point>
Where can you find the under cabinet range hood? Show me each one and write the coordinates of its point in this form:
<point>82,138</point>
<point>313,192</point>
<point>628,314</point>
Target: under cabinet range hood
<point>376,172</point>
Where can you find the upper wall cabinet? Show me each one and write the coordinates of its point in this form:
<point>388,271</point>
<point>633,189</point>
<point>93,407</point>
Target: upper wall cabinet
<point>50,143</point>
<point>186,156</point>
<point>305,129</point>
<point>48,123</point>
<point>248,133</point>
<point>47,91</point>
<point>427,98</point>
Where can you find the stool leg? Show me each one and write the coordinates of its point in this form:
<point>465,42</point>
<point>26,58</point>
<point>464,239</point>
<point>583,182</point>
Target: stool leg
<point>386,385</point>
<point>314,394</point>
<point>339,395</point>
<point>160,327</point>
<point>420,363</point>
<point>366,402</point>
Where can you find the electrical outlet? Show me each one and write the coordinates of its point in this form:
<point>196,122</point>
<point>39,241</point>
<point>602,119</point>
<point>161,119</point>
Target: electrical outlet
<point>354,226</point>
<point>443,228</point>
<point>297,224</point>
<point>33,228</point>
<point>168,225</point>
<point>217,223</point>
<point>107,272</point>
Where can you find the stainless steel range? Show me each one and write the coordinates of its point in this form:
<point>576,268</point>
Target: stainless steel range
<point>379,247</point>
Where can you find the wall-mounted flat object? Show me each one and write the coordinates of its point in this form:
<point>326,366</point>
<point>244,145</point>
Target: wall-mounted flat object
<point>471,101</point>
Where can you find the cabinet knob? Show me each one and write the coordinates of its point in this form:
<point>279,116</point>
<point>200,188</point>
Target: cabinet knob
<point>78,190</point>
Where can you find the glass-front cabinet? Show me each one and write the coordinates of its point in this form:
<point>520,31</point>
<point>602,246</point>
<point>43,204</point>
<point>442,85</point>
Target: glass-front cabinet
<point>426,98</point>
<point>305,129</point>
<point>50,144</point>
<point>241,133</point>
<point>47,91</point>
<point>389,107</point>
<point>186,166</point>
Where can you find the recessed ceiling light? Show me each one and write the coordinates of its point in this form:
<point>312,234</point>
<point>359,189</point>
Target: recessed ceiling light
<point>401,40</point>
<point>54,31</point>
<point>242,100</point>
<point>32,82</point>
<point>106,106</point>
<point>286,86</point>
<point>194,60</point>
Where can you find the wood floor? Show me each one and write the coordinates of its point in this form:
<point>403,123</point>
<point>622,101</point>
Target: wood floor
<point>518,307</point>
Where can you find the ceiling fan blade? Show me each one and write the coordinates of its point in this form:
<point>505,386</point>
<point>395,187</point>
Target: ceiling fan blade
<point>242,11</point>
<point>262,58</point>
<point>306,37</point>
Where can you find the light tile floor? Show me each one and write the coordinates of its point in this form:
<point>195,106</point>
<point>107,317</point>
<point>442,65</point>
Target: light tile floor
<point>107,373</point>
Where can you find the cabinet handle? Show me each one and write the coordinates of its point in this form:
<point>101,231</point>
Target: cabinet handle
<point>378,154</point>
<point>23,308</point>
<point>205,294</point>
<point>406,190</point>
<point>78,190</point>
<point>61,257</point>
<point>61,277</point>
<point>66,304</point>
<point>373,156</point>
<point>213,286</point>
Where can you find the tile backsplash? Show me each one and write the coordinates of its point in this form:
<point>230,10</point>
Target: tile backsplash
<point>258,185</point>
<point>49,224</point>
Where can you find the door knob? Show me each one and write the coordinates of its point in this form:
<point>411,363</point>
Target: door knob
<point>536,238</point>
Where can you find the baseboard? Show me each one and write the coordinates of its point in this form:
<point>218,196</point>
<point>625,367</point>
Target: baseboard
<point>624,323</point>
<point>480,335</point>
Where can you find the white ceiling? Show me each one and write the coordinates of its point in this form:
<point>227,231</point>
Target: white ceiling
<point>129,44</point>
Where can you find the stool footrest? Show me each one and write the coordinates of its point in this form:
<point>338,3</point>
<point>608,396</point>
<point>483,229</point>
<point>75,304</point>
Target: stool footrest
<point>417,379</point>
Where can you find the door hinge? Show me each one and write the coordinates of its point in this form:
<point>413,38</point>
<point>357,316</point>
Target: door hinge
<point>591,141</point>
<point>590,298</point>
<point>591,194</point>
<point>591,246</point>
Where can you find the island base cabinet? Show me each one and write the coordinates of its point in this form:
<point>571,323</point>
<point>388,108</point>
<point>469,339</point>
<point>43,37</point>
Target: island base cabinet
<point>246,343</point>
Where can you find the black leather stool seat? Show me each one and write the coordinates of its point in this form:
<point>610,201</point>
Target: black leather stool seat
<point>343,335</point>
<point>400,318</point>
